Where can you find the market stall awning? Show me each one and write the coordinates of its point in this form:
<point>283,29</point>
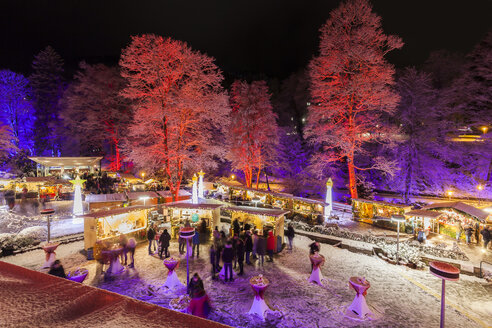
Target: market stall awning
<point>459,206</point>
<point>423,213</point>
<point>135,195</point>
<point>66,161</point>
<point>167,193</point>
<point>403,206</point>
<point>116,211</point>
<point>257,210</point>
<point>102,198</point>
<point>35,299</point>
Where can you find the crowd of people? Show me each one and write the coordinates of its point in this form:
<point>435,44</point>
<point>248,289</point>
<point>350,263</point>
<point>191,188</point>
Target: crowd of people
<point>472,233</point>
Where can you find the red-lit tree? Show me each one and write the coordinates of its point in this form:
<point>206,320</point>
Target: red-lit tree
<point>253,131</point>
<point>94,111</point>
<point>179,107</point>
<point>351,87</point>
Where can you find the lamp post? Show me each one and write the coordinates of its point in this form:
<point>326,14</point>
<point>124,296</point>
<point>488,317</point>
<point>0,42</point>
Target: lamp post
<point>256,200</point>
<point>143,175</point>
<point>450,193</point>
<point>444,271</point>
<point>398,218</point>
<point>48,212</point>
<point>480,188</point>
<point>187,233</point>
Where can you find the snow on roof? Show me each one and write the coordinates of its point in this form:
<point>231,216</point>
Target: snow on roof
<point>186,205</point>
<point>37,299</point>
<point>66,161</point>
<point>423,213</point>
<point>116,211</point>
<point>257,210</point>
<point>167,193</point>
<point>381,203</point>
<point>138,194</point>
<point>465,208</point>
<point>101,198</point>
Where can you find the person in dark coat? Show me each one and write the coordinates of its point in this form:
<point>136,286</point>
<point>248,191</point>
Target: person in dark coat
<point>486,236</point>
<point>195,285</point>
<point>151,238</point>
<point>468,233</point>
<point>240,255</point>
<point>235,238</point>
<point>164,240</point>
<point>227,258</point>
<point>220,246</point>
<point>248,245</point>
<point>290,235</point>
<point>270,245</point>
<point>131,245</point>
<point>182,244</point>
<point>314,247</point>
<point>477,232</point>
<point>261,249</point>
<point>235,227</point>
<point>196,244</point>
<point>122,243</point>
<point>56,269</point>
<point>212,260</point>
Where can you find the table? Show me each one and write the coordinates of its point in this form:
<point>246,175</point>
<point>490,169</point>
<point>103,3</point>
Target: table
<point>112,256</point>
<point>359,305</point>
<point>259,284</point>
<point>444,271</point>
<point>317,260</point>
<point>78,275</point>
<point>172,280</point>
<point>49,250</point>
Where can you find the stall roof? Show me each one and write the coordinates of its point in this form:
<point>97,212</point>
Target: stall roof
<point>116,211</point>
<point>381,203</point>
<point>309,200</point>
<point>201,206</point>
<point>78,305</point>
<point>101,198</point>
<point>66,161</point>
<point>465,208</point>
<point>134,195</point>
<point>424,213</point>
<point>128,176</point>
<point>257,210</point>
<point>167,193</point>
<point>241,187</point>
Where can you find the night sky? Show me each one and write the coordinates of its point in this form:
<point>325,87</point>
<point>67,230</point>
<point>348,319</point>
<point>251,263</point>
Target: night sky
<point>275,37</point>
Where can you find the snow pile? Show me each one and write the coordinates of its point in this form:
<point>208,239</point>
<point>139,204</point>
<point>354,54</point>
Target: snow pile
<point>406,254</point>
<point>414,247</point>
<point>30,236</point>
<point>6,240</point>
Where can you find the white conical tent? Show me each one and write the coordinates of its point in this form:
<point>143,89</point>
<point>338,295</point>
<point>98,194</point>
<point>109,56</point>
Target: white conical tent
<point>200,184</point>
<point>329,198</point>
<point>78,208</point>
<point>194,195</point>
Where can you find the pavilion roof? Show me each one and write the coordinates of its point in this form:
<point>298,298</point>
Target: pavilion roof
<point>66,161</point>
<point>101,198</point>
<point>71,304</point>
<point>134,195</point>
<point>462,207</point>
<point>381,203</point>
<point>423,213</point>
<point>116,211</point>
<point>187,205</point>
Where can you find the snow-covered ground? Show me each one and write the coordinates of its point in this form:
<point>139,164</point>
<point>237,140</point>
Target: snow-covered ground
<point>401,297</point>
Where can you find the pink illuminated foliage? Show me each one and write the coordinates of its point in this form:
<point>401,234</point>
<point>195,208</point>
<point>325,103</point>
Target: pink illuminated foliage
<point>179,107</point>
<point>94,111</point>
<point>253,130</point>
<point>351,89</point>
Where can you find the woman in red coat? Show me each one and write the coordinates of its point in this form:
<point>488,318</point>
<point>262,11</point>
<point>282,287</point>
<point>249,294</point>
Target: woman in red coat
<point>270,245</point>
<point>200,304</point>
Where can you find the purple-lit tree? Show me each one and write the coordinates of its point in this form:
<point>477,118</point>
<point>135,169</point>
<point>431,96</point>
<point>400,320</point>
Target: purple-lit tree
<point>47,86</point>
<point>6,144</point>
<point>16,109</point>
<point>253,131</point>
<point>351,89</point>
<point>179,107</point>
<point>95,112</point>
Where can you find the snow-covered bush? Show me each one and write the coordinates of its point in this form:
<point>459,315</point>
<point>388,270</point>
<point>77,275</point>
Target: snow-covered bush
<point>30,236</point>
<point>6,240</point>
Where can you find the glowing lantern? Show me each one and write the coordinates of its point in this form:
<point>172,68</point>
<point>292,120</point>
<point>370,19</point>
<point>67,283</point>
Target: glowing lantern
<point>328,198</point>
<point>200,184</point>
<point>194,196</point>
<point>78,209</point>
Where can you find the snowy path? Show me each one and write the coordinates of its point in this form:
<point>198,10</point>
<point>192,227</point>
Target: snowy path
<point>394,291</point>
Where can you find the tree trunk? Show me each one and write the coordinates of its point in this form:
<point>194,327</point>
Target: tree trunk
<point>258,178</point>
<point>352,181</point>
<point>266,177</point>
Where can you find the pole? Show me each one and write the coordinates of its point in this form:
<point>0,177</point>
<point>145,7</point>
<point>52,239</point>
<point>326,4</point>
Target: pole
<point>49,223</point>
<point>398,244</point>
<point>443,301</point>
<point>187,265</point>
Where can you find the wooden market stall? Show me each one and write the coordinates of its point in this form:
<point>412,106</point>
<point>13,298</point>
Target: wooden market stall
<point>423,219</point>
<point>368,211</point>
<point>109,225</point>
<point>143,198</point>
<point>105,201</point>
<point>452,212</point>
<point>167,197</point>
<point>262,219</point>
<point>182,212</point>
